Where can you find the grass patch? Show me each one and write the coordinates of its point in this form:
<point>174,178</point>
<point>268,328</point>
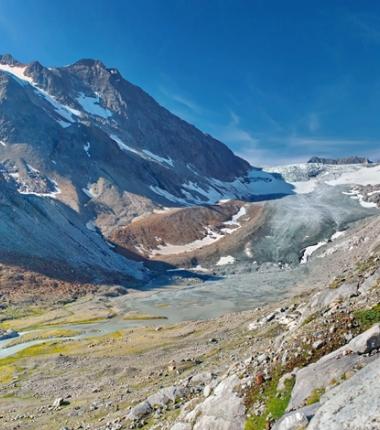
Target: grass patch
<point>310,318</point>
<point>17,312</point>
<point>7,372</point>
<point>142,317</point>
<point>366,265</point>
<point>275,402</point>
<point>337,282</point>
<point>73,321</point>
<point>32,351</point>
<point>367,317</point>
<point>44,334</point>
<point>315,396</point>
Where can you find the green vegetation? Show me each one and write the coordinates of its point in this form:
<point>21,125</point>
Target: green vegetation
<point>134,316</point>
<point>275,402</point>
<point>310,318</point>
<point>367,317</point>
<point>337,282</point>
<point>44,334</point>
<point>366,265</point>
<point>17,312</point>
<point>32,351</point>
<point>315,396</point>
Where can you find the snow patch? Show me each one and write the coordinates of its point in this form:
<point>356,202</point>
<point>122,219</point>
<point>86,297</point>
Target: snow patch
<point>337,234</point>
<point>158,158</point>
<point>168,196</point>
<point>64,111</point>
<point>310,250</point>
<point>169,249</point>
<point>355,195</point>
<point>229,259</point>
<point>91,104</point>
<point>89,191</point>
<point>123,146</point>
<point>86,148</point>
<point>63,124</point>
<point>360,176</point>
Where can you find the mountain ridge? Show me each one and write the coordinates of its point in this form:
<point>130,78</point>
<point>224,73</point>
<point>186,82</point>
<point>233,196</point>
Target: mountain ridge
<point>82,143</point>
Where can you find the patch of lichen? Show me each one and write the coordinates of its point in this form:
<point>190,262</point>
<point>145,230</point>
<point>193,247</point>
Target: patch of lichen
<point>315,396</point>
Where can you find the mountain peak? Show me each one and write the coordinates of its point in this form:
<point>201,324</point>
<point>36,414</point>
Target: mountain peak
<point>9,60</point>
<point>89,62</point>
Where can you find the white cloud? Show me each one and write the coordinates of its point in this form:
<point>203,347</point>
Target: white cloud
<point>182,100</point>
<point>313,122</point>
<point>233,133</point>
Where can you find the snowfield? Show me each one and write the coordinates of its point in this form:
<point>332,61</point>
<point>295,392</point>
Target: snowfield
<point>91,104</point>
<point>361,176</point>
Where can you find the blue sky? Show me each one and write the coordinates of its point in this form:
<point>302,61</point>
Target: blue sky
<point>278,81</point>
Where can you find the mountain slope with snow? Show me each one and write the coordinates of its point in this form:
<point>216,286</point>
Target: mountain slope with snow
<point>83,139</point>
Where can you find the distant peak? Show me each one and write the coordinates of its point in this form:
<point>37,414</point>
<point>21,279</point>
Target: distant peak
<point>35,66</point>
<point>9,60</point>
<point>346,160</point>
<point>89,62</point>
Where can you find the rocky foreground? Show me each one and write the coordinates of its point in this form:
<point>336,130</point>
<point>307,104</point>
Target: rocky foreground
<point>309,362</point>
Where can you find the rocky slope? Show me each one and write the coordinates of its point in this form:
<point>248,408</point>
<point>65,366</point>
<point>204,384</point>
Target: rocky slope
<point>288,365</point>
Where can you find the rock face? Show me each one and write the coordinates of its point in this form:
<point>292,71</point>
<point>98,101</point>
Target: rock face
<point>355,402</point>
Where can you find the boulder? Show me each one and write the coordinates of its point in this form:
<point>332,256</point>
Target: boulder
<point>181,426</point>
<point>298,419</point>
<point>166,395</point>
<point>139,411</point>
<point>221,410</point>
<point>352,405</point>
<point>367,341</point>
<point>370,282</point>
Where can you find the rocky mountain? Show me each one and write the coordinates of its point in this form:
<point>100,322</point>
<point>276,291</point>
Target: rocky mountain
<point>345,160</point>
<point>85,151</point>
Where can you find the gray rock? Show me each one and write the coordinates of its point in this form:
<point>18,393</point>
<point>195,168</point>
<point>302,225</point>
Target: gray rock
<point>139,411</point>
<point>331,295</point>
<point>166,395</point>
<point>298,419</point>
<point>318,344</point>
<point>181,426</point>
<point>283,379</point>
<point>207,390</point>
<point>202,378</point>
<point>222,410</point>
<point>332,366</point>
<point>367,341</point>
<point>353,405</point>
<point>370,282</point>
<point>59,402</point>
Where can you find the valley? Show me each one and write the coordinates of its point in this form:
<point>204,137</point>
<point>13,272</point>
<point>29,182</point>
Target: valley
<point>150,278</point>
